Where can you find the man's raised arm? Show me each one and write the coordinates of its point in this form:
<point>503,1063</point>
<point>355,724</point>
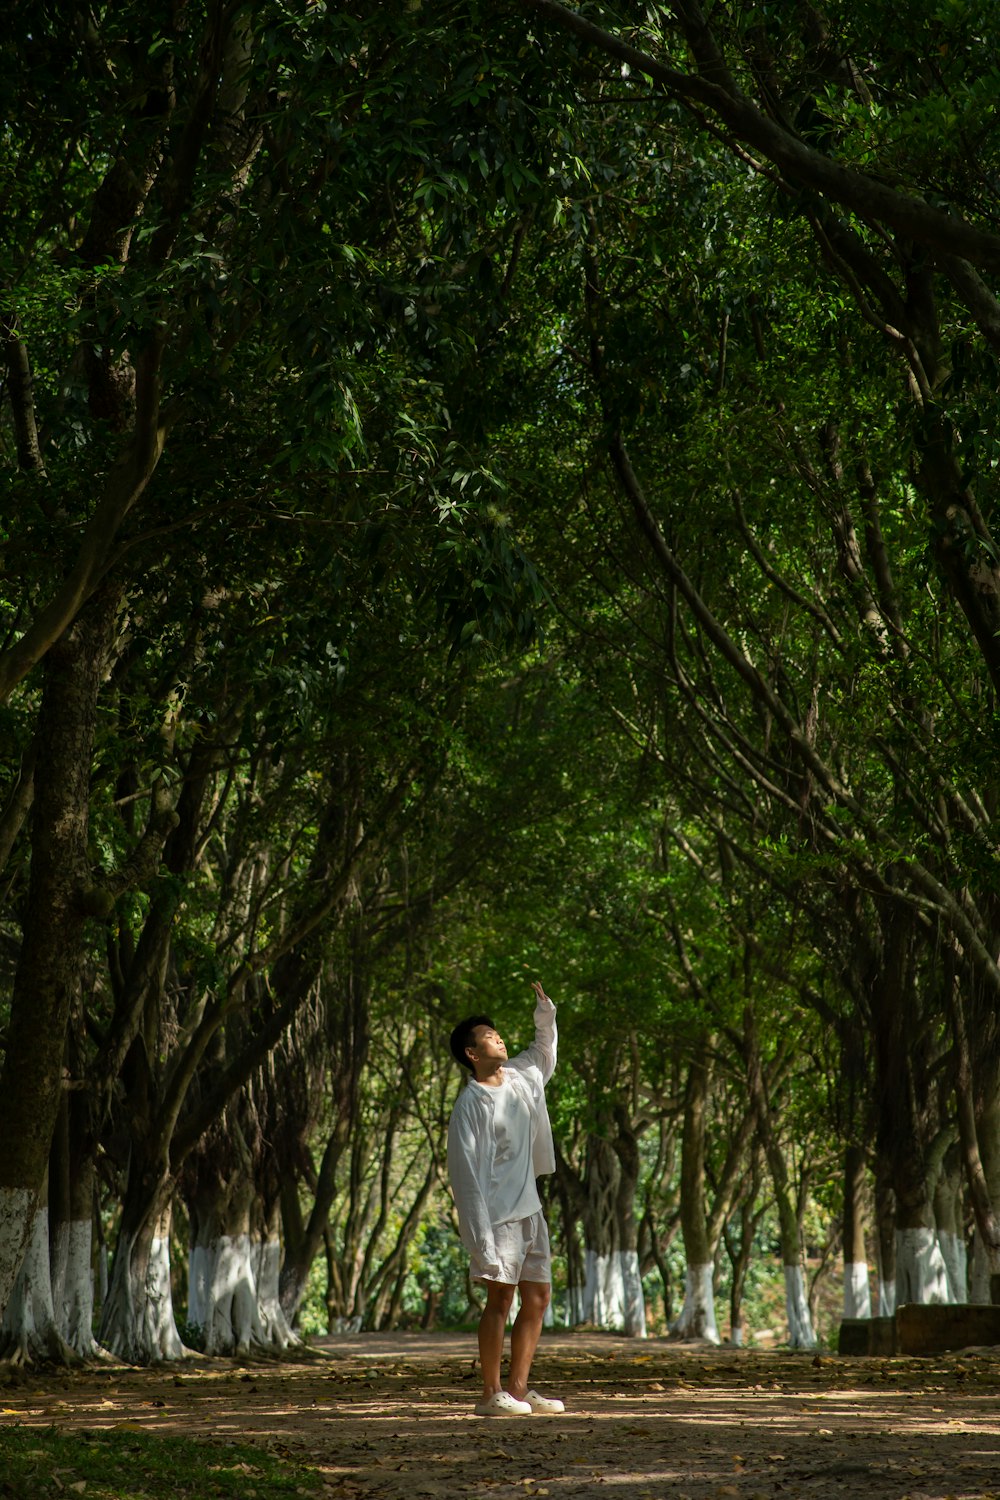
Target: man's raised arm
<point>542,1052</point>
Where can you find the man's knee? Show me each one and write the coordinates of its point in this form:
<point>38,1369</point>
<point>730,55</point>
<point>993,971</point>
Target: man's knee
<point>499,1297</point>
<point>535,1296</point>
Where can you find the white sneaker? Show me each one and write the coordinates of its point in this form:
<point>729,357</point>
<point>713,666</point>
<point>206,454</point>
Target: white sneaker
<point>544,1406</point>
<point>503,1404</point>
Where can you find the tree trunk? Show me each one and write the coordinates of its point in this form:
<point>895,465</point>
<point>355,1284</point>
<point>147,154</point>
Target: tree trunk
<point>137,1322</point>
<point>227,1291</point>
<point>800,1328</point>
<point>696,1319</point>
<point>740,1256</point>
<point>303,1245</point>
<point>949,1227</point>
<point>885,1214</point>
<point>986,1262</point>
<point>904,1120</point>
<point>921,1272</point>
<point>72,1181</point>
<point>981,1190</point>
<point>656,1253</point>
<point>627,1151</point>
<point>346,1047</point>
<point>857,1293</point>
<point>267,1270</point>
<point>612,1292</point>
<point>380,1307</point>
<point>60,897</point>
<point>71,1227</point>
<point>569,1192</point>
<point>29,1330</point>
<point>233,1274</point>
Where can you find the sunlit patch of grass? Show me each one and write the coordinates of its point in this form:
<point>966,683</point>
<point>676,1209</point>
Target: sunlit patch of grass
<point>137,1465</point>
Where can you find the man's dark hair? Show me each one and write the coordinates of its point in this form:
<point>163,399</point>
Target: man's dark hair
<point>463,1036</point>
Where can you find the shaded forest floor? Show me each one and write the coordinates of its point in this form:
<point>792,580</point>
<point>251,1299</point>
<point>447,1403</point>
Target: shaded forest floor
<point>376,1417</point>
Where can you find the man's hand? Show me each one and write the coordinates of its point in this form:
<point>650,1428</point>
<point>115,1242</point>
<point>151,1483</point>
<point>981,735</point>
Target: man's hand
<point>536,985</point>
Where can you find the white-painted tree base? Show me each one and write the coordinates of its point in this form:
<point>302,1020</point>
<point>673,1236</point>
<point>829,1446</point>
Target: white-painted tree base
<point>612,1293</point>
<point>635,1298</point>
<point>73,1287</point>
<point>603,1292</point>
<point>801,1334</point>
<point>241,1311</point>
<point>955,1258</point>
<point>29,1330</point>
<point>696,1319</point>
<point>280,1334</point>
<point>231,1323</point>
<point>887,1298</point>
<point>199,1277</point>
<point>138,1322</point>
<point>16,1208</point>
<point>857,1290</point>
<point>921,1274</point>
<point>573,1308</point>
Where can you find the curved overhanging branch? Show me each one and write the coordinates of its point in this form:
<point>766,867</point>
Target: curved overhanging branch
<point>127,482</point>
<point>960,914</point>
<point>119,202</point>
<point>907,214</point>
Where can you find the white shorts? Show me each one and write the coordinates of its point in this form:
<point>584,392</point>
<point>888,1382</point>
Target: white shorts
<point>523,1252</point>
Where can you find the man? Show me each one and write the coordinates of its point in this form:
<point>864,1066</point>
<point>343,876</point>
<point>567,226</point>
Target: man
<point>499,1141</point>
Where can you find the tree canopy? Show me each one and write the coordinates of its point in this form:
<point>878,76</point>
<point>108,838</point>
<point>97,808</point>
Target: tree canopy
<point>496,492</point>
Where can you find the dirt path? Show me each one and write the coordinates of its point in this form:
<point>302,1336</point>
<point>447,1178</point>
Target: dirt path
<point>390,1418</point>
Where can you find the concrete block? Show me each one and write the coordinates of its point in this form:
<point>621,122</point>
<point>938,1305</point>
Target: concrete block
<point>933,1328</point>
<point>867,1336</point>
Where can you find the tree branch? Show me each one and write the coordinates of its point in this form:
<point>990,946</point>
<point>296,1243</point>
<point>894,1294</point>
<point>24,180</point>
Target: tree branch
<point>911,216</point>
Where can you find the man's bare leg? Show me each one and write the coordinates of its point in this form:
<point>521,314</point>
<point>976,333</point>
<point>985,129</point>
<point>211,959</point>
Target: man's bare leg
<point>525,1334</point>
<point>492,1328</point>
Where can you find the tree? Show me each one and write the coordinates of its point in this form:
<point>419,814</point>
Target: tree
<point>167,193</point>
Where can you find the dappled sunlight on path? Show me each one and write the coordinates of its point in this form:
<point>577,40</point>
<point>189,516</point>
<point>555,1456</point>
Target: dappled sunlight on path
<point>386,1417</point>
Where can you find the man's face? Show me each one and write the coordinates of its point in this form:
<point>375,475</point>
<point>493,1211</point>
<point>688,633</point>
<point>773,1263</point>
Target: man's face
<point>488,1046</point>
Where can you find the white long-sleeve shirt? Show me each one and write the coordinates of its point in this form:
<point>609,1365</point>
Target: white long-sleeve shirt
<point>484,1195</point>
